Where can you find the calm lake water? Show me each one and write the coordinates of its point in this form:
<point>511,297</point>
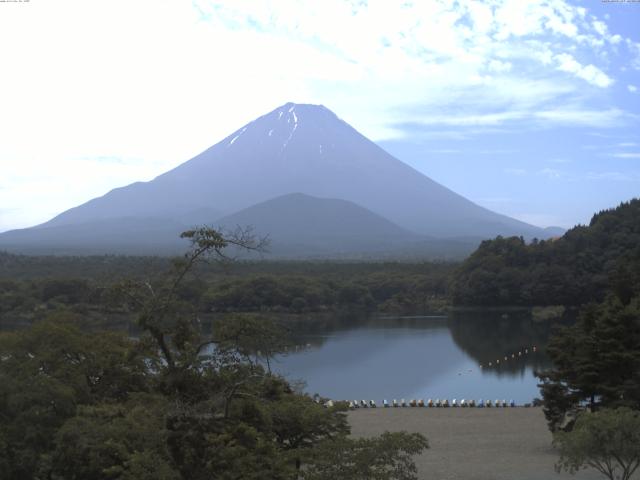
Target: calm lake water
<point>420,357</point>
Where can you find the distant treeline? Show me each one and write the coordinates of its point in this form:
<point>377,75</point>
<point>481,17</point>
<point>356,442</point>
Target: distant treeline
<point>31,288</point>
<point>580,267</point>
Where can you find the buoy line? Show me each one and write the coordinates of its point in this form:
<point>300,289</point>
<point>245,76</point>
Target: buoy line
<point>430,403</point>
<point>513,356</point>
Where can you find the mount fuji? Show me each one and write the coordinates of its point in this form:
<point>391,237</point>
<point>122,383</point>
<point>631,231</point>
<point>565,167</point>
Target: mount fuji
<point>295,149</point>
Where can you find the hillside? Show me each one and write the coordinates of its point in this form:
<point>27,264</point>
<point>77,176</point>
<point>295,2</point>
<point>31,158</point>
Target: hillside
<point>577,268</point>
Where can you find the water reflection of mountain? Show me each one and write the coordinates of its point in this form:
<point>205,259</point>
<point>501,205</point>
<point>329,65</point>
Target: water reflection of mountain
<point>488,336</point>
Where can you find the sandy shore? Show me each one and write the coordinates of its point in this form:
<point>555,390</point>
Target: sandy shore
<point>474,444</point>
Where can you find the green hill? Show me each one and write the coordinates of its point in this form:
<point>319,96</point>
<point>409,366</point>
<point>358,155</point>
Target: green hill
<point>579,267</point>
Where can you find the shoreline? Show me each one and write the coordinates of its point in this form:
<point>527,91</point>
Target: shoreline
<point>473,443</point>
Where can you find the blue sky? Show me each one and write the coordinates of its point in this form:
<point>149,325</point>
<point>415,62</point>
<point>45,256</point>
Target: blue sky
<point>530,108</point>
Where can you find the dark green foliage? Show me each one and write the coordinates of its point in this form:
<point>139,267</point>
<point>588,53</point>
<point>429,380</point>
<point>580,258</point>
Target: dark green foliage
<point>596,361</point>
<point>388,457</point>
<point>575,269</point>
<point>123,440</point>
<point>47,373</point>
<point>174,403</point>
<point>608,441</point>
<point>287,287</point>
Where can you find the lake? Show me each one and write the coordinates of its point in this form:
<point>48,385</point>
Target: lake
<point>417,357</point>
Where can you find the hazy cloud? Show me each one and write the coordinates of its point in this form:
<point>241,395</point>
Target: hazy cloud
<point>515,171</point>
<point>626,155</point>
<point>158,82</point>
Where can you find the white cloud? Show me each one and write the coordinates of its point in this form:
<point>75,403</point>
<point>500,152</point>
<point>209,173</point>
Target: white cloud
<point>609,118</point>
<point>160,81</point>
<point>589,73</point>
<point>626,155</point>
<point>632,88</point>
<point>612,176</point>
<point>551,173</point>
<point>600,27</point>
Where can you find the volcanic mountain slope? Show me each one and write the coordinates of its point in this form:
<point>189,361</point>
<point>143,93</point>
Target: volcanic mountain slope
<point>305,225</point>
<point>294,148</point>
<point>123,235</point>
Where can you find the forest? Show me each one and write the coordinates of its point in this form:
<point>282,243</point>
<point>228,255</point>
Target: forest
<point>113,367</point>
<point>582,266</point>
<point>31,288</point>
<point>174,402</point>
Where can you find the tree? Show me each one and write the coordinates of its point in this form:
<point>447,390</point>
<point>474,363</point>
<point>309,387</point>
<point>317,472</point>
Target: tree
<point>388,457</point>
<point>608,440</point>
<point>49,371</point>
<point>299,424</point>
<point>253,337</point>
<point>173,403</point>
<point>122,440</point>
<point>596,362</point>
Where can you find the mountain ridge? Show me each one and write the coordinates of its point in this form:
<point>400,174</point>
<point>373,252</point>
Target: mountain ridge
<point>297,148</point>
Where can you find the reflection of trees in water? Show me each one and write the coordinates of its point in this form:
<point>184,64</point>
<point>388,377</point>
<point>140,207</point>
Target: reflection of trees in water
<point>314,329</point>
<point>485,335</point>
<point>488,336</point>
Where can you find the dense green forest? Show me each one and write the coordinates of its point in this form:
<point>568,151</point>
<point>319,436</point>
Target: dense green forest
<point>31,288</point>
<point>580,267</point>
<point>185,397</point>
<point>175,402</point>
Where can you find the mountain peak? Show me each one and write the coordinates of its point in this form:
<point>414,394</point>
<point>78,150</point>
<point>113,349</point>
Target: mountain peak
<point>306,148</point>
<point>310,106</point>
<point>280,127</point>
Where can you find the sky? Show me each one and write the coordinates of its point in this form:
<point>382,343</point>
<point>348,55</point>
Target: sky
<point>529,108</point>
